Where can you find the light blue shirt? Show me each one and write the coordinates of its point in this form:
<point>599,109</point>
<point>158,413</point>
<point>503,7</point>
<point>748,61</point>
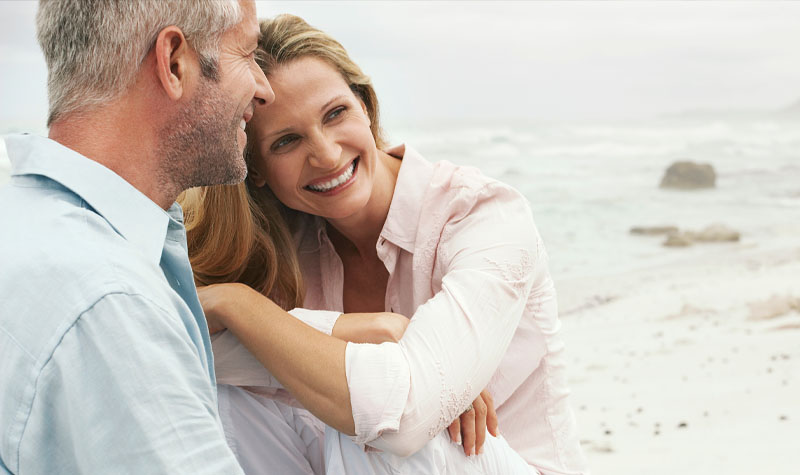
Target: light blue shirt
<point>105,358</point>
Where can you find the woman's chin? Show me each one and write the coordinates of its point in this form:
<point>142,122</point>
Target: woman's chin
<point>345,209</point>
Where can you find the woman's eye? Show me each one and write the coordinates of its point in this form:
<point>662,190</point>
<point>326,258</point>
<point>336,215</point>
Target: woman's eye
<point>283,142</point>
<point>336,113</point>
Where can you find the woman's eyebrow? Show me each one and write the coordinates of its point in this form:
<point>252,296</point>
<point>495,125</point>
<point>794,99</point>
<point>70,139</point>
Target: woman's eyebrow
<point>279,132</point>
<point>340,96</point>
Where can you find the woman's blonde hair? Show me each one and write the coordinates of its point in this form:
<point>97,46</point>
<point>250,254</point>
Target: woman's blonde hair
<point>239,233</point>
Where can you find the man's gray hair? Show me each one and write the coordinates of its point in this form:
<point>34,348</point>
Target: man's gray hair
<point>94,48</point>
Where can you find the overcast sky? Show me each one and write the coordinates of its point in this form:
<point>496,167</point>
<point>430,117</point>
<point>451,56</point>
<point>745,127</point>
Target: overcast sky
<point>537,60</point>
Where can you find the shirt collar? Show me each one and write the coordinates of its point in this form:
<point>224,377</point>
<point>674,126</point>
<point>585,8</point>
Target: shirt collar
<point>409,196</point>
<point>400,227</point>
<point>132,214</point>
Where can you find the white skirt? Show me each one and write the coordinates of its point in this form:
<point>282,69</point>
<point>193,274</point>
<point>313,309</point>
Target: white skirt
<point>270,437</point>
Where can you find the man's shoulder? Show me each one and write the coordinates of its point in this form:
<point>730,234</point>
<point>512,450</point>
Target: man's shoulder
<point>51,234</point>
<point>59,257</point>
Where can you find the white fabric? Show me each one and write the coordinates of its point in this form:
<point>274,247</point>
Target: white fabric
<point>384,413</point>
<point>438,456</point>
<point>269,437</point>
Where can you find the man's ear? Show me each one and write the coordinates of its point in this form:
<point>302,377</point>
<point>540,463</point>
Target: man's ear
<point>173,60</point>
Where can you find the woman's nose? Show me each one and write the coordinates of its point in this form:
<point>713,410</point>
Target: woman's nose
<point>325,152</point>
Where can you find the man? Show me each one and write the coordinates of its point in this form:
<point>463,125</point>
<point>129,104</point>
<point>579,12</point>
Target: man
<point>105,359</point>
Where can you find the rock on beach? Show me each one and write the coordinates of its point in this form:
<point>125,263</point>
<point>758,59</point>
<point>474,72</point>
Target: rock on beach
<point>712,233</point>
<point>686,175</point>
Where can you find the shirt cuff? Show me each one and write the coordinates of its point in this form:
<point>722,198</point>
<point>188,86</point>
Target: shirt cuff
<point>379,382</point>
<point>322,320</point>
<point>235,365</point>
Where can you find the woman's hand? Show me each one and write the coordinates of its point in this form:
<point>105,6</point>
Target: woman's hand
<point>470,427</point>
<point>370,327</point>
<point>219,301</point>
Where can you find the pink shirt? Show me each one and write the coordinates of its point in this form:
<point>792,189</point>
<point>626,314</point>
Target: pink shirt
<point>467,265</point>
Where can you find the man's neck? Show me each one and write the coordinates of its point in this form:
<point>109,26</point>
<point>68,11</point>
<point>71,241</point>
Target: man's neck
<point>122,143</point>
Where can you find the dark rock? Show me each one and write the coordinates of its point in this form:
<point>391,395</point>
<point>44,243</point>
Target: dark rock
<point>712,233</point>
<point>715,233</point>
<point>689,176</point>
<point>678,240</point>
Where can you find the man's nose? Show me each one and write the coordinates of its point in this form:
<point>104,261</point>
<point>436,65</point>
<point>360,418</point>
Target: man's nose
<point>264,93</point>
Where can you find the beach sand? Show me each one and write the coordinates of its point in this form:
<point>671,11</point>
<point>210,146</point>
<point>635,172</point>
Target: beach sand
<point>691,368</point>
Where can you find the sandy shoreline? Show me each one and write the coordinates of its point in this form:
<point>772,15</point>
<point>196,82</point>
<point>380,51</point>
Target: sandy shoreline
<point>690,368</point>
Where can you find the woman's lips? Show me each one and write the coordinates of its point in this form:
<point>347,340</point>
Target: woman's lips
<point>326,185</point>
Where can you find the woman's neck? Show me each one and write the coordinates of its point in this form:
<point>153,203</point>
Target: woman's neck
<point>357,234</point>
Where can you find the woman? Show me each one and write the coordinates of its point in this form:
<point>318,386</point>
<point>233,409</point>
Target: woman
<point>380,231</point>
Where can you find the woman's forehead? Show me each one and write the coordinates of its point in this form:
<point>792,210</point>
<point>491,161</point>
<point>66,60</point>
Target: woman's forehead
<point>306,81</point>
<point>303,88</point>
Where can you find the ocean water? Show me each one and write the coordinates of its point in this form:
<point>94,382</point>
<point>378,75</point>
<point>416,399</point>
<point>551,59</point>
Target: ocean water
<point>589,183</point>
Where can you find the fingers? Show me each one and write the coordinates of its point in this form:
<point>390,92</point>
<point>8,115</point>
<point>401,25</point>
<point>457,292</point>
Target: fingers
<point>474,423</point>
<point>491,415</point>
<point>455,431</point>
<point>468,431</point>
<point>480,424</point>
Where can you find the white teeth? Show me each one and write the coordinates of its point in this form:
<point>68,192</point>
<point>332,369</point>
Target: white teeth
<point>329,185</point>
<point>243,124</point>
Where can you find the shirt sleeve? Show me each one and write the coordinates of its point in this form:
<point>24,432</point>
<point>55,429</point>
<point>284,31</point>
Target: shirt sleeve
<point>322,320</point>
<point>125,391</point>
<point>455,341</point>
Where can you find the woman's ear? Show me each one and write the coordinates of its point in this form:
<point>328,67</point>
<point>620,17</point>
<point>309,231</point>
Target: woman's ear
<point>256,177</point>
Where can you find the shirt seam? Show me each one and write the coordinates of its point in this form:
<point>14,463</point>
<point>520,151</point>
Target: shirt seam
<point>40,368</point>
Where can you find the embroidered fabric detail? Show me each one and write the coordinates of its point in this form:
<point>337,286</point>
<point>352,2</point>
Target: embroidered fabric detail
<point>515,273</point>
<point>425,255</point>
<point>534,305</point>
<point>451,404</point>
<point>447,235</point>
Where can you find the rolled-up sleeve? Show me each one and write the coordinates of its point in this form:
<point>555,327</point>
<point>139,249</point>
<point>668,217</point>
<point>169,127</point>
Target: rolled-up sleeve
<point>375,371</point>
<point>322,320</point>
<point>456,340</point>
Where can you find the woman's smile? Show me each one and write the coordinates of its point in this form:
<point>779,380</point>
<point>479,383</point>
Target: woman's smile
<point>331,185</point>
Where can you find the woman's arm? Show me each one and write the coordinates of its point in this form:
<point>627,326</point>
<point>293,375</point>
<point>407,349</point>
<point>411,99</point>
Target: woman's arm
<point>491,258</point>
<point>374,328</point>
<point>307,362</point>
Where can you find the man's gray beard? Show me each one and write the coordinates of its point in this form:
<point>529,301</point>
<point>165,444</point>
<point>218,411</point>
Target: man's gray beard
<point>199,146</point>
